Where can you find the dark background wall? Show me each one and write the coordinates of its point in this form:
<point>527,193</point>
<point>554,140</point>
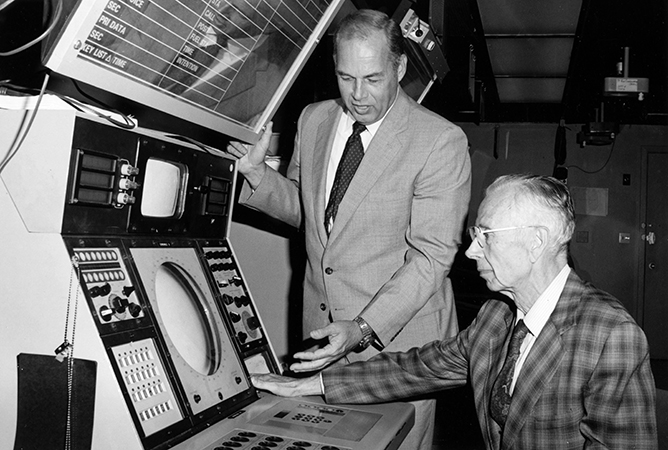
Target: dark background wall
<point>530,148</point>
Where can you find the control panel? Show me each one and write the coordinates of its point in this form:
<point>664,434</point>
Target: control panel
<point>179,326</point>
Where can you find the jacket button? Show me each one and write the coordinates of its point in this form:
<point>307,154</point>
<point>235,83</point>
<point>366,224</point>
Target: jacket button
<point>329,271</point>
<point>323,307</point>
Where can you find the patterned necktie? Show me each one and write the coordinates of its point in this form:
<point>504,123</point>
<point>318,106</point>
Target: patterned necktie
<point>352,156</point>
<point>500,401</point>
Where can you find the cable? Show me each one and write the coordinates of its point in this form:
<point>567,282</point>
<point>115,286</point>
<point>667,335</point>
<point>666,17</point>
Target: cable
<point>129,123</point>
<point>41,37</point>
<point>191,141</point>
<point>12,152</point>
<point>612,147</point>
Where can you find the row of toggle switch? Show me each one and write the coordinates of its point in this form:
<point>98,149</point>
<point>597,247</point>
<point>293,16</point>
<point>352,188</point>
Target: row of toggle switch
<point>125,184</point>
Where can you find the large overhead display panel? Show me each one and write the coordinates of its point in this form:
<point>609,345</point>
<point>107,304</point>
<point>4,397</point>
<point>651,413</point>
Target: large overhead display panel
<point>222,64</point>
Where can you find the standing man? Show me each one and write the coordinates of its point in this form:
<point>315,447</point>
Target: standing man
<point>377,262</point>
<point>562,365</point>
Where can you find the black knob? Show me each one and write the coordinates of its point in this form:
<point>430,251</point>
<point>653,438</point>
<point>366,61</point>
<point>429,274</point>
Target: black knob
<point>118,304</point>
<point>105,313</point>
<point>134,309</point>
<point>253,323</point>
<point>127,290</point>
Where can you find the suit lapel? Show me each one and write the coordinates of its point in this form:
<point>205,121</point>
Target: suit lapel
<point>543,360</point>
<point>322,151</point>
<point>382,150</point>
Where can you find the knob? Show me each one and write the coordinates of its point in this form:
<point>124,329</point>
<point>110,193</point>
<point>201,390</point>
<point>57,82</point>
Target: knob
<point>128,290</point>
<point>98,291</point>
<point>127,184</point>
<point>128,170</point>
<point>105,313</point>
<point>124,198</point>
<point>118,304</point>
<point>253,323</point>
<point>134,309</point>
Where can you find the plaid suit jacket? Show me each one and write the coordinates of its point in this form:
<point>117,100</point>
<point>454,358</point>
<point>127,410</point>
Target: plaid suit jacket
<point>586,383</point>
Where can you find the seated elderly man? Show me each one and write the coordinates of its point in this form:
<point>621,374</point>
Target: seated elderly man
<point>562,366</point>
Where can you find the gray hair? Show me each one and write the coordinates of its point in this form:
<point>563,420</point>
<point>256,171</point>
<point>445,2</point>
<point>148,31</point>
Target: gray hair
<point>361,23</point>
<point>547,194</point>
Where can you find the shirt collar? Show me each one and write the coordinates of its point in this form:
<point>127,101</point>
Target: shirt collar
<point>536,318</point>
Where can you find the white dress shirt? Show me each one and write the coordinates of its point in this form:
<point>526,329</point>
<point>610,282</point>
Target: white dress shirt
<point>343,131</point>
<point>536,318</point>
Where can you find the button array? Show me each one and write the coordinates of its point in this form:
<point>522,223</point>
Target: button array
<point>250,440</point>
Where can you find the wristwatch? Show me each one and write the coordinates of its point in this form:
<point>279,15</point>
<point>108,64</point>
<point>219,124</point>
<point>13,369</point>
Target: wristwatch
<point>367,333</point>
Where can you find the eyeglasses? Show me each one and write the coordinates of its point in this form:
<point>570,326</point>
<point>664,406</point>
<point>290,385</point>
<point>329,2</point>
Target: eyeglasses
<point>479,235</point>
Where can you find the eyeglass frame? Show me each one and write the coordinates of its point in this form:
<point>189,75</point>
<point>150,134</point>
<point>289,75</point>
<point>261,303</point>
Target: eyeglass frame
<point>482,233</point>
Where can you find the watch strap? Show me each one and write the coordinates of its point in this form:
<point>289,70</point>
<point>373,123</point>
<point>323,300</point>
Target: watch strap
<point>367,333</point>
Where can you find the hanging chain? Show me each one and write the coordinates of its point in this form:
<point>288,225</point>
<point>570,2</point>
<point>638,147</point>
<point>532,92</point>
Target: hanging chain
<point>66,349</point>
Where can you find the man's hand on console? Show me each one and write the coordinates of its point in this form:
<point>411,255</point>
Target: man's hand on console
<point>287,387</point>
